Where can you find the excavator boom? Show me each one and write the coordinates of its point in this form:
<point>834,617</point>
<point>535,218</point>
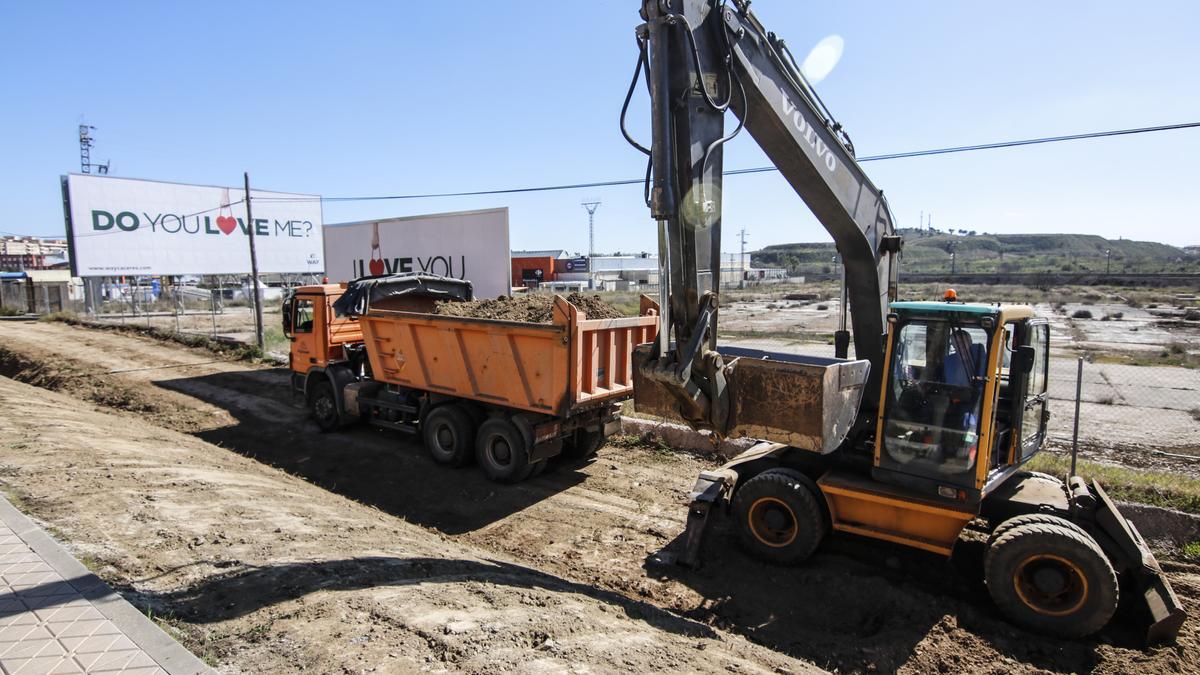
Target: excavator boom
<point>704,58</point>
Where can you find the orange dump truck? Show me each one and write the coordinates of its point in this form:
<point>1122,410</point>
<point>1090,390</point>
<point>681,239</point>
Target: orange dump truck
<point>508,395</point>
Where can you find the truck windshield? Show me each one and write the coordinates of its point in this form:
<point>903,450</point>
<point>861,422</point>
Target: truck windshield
<point>935,396</point>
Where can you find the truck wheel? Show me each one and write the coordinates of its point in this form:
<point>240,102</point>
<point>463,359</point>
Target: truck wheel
<point>502,451</point>
<point>449,434</point>
<point>1032,519</point>
<point>779,517</point>
<point>583,444</point>
<point>324,406</point>
<point>1051,579</point>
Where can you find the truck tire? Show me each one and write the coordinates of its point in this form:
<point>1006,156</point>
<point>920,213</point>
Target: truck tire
<point>1032,519</point>
<point>583,444</point>
<point>449,434</point>
<point>779,516</point>
<point>502,451</point>
<point>1051,579</point>
<point>323,404</point>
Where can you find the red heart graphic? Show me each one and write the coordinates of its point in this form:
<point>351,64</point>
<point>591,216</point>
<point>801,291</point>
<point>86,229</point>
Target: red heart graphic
<point>227,224</point>
<point>376,267</point>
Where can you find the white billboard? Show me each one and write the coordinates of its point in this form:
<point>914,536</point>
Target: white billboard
<point>118,226</point>
<point>471,245</point>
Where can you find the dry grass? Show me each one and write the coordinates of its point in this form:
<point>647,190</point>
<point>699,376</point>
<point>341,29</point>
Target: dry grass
<point>1156,488</point>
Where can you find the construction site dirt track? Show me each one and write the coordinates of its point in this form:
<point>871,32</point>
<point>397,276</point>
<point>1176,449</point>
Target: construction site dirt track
<point>857,606</point>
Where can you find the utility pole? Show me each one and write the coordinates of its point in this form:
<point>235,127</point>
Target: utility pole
<point>85,151</point>
<point>1107,262</point>
<point>742,271</point>
<point>258,324</point>
<point>591,209</point>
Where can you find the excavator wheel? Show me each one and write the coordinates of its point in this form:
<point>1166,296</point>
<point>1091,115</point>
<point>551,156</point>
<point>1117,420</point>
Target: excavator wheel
<point>1032,519</point>
<point>1051,579</point>
<point>502,451</point>
<point>779,516</point>
<point>449,435</point>
<point>324,406</point>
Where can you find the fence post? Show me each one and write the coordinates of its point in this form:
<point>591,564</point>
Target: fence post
<point>1078,396</point>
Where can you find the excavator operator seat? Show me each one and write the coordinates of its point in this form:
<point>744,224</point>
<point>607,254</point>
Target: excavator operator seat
<point>965,362</point>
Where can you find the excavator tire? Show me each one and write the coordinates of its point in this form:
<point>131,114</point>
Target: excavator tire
<point>323,405</point>
<point>1051,579</point>
<point>779,516</point>
<point>502,451</point>
<point>1032,519</point>
<point>449,435</point>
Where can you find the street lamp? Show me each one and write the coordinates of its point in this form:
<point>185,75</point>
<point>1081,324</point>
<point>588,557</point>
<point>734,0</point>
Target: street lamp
<point>1107,262</point>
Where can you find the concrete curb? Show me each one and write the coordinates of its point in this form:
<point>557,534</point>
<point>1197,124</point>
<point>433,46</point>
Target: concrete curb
<point>1162,525</point>
<point>1155,523</point>
<point>168,653</point>
<point>683,438</point>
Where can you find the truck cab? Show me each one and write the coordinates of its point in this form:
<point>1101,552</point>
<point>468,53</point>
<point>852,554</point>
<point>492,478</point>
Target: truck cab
<point>319,337</point>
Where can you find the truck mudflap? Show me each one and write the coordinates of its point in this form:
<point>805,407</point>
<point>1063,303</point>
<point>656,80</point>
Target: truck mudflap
<point>1161,606</point>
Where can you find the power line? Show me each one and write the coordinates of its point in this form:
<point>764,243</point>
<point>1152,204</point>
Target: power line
<point>759,169</point>
<point>732,172</point>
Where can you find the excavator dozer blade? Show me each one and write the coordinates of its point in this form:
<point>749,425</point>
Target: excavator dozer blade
<point>1161,606</point>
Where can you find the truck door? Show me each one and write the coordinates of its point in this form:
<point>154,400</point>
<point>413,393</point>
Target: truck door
<point>305,349</point>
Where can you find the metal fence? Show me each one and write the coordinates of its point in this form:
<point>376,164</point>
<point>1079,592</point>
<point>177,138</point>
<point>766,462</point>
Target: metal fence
<point>1128,405</point>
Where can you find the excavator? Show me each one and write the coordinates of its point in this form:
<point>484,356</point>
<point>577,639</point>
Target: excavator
<point>926,429</point>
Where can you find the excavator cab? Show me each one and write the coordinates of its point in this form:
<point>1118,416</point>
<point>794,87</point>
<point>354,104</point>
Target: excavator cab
<point>964,399</point>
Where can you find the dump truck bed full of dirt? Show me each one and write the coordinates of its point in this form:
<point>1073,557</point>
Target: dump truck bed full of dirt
<point>545,367</point>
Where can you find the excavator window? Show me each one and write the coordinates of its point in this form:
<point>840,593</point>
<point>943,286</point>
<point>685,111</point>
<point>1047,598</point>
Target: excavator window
<point>1032,417</point>
<point>936,393</point>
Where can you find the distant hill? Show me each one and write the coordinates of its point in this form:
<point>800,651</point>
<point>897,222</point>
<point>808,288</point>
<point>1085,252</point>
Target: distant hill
<point>930,251</point>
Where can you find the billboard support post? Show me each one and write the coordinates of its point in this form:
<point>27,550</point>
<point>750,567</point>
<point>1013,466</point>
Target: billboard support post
<point>258,325</point>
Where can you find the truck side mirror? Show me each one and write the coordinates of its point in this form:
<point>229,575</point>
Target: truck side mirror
<point>287,317</point>
<point>1022,359</point>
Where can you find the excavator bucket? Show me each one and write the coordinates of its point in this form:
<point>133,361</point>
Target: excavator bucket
<point>1161,606</point>
<point>807,402</point>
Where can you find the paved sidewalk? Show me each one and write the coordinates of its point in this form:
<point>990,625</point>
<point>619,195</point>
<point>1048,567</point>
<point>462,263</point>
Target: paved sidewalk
<point>57,617</point>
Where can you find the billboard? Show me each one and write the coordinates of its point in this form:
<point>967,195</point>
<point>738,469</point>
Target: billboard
<point>471,245</point>
<point>119,226</point>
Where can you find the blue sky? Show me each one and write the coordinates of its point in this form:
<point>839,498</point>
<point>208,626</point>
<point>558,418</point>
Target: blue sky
<point>402,98</point>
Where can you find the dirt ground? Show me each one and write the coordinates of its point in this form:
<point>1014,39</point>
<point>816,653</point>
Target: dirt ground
<point>274,547</point>
<point>530,308</point>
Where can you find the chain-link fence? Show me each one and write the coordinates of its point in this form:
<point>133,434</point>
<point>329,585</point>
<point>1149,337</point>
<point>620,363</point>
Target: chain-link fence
<point>221,309</point>
<point>1126,405</point>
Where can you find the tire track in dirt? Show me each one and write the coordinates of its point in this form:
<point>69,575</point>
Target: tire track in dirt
<point>857,606</point>
<point>258,571</point>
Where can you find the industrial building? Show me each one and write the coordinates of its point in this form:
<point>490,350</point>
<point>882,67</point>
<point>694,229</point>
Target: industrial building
<point>31,253</point>
<point>556,270</point>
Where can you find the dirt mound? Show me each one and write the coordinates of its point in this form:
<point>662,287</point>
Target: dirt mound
<point>532,308</point>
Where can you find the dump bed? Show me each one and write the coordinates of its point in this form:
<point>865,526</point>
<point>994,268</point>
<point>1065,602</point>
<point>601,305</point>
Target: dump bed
<point>556,368</point>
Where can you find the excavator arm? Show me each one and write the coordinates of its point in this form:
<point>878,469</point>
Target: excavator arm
<point>703,58</point>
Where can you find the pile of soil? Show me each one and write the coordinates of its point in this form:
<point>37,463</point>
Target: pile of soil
<point>533,308</point>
